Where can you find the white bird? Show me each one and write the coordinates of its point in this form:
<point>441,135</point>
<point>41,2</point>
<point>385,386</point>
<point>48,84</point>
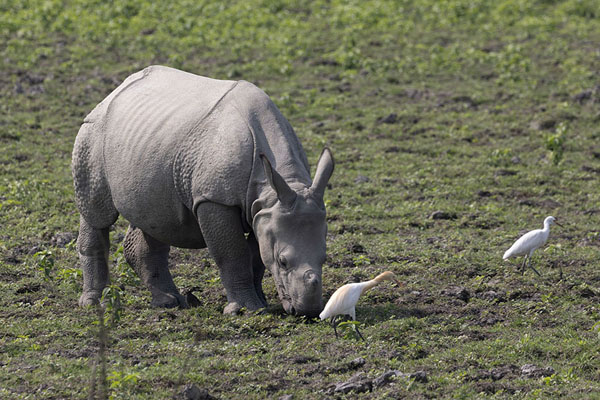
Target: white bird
<point>530,242</point>
<point>343,300</point>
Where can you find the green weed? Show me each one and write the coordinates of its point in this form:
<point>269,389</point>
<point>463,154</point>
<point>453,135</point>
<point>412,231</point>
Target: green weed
<point>555,143</point>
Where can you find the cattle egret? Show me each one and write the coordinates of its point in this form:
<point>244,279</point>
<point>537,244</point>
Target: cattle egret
<point>530,242</point>
<point>343,301</point>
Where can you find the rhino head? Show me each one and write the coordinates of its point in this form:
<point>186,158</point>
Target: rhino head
<point>291,234</point>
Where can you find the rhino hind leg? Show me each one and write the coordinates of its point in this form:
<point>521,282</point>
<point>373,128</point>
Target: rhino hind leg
<point>223,233</point>
<point>92,246</point>
<point>150,258</point>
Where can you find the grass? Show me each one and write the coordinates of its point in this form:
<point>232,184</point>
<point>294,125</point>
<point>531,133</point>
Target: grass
<point>495,124</point>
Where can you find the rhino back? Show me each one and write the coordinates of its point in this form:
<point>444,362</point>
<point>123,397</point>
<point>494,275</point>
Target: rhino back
<point>146,122</point>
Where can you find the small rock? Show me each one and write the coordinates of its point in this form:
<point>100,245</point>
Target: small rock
<point>515,160</point>
<point>484,193</point>
<point>533,371</point>
<point>362,179</point>
<point>390,119</point>
<point>419,376</point>
<point>442,215</point>
<point>192,392</point>
<point>357,363</point>
<point>357,383</point>
<point>385,378</point>
<point>286,397</point>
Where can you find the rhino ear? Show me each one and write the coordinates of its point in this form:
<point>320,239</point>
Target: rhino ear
<point>285,193</point>
<point>323,173</point>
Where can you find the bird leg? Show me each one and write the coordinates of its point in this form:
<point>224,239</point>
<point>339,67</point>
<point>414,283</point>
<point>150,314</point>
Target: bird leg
<point>561,273</point>
<point>531,266</point>
<point>334,324</point>
<point>523,265</point>
<point>359,334</point>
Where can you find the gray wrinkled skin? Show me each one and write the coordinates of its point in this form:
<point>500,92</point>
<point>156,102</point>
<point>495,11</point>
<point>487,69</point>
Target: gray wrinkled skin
<point>195,162</point>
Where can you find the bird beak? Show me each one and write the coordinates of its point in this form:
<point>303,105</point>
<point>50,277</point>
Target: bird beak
<point>558,224</point>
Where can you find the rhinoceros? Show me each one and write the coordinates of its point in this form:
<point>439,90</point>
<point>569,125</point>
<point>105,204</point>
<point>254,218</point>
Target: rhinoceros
<point>195,162</point>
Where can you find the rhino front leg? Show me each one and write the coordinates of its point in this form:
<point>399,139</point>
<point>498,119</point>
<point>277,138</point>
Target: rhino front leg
<point>92,246</point>
<point>258,267</point>
<point>150,260</point>
<point>223,233</point>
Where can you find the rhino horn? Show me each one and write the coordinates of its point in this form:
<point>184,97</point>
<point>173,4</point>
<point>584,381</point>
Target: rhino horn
<point>285,193</point>
<point>323,173</point>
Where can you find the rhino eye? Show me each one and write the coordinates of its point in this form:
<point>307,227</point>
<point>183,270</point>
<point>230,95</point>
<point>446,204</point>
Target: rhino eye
<point>283,261</point>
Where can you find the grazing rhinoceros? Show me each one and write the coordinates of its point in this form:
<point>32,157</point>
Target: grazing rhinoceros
<point>196,162</point>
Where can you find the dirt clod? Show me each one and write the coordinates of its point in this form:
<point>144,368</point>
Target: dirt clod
<point>533,371</point>
<point>192,392</point>
<point>357,363</point>
<point>61,239</point>
<point>587,292</point>
<point>357,249</point>
<point>458,292</point>
<point>493,296</point>
<point>357,383</point>
<point>362,179</point>
<point>443,215</point>
<point>386,377</point>
<point>505,172</point>
<point>389,119</point>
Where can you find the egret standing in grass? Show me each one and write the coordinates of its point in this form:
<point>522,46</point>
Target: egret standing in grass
<point>344,300</point>
<point>530,242</point>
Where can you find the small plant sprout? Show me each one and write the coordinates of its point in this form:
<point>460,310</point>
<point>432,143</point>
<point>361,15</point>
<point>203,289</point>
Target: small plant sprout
<point>530,242</point>
<point>45,262</point>
<point>111,299</point>
<point>555,143</point>
<point>343,301</point>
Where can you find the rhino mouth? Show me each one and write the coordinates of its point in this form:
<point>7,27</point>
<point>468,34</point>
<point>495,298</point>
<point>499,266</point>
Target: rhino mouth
<point>294,305</point>
<point>293,308</point>
<point>288,307</point>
